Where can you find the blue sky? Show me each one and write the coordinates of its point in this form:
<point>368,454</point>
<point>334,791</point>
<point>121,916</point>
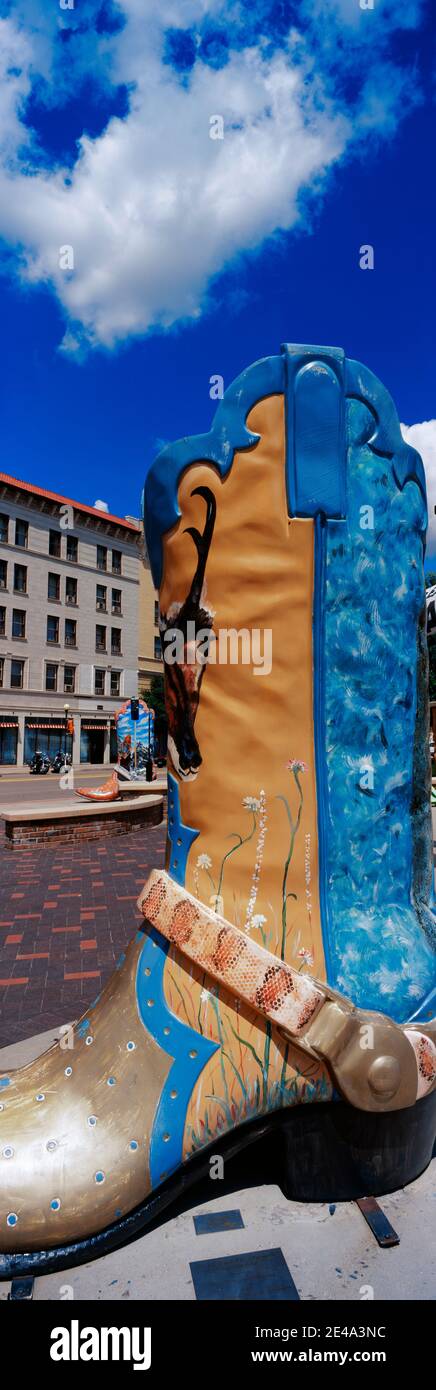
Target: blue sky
<point>193,256</point>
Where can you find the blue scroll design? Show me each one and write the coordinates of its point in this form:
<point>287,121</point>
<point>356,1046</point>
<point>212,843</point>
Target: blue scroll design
<point>180,836</point>
<point>189,1050</point>
<point>228,434</point>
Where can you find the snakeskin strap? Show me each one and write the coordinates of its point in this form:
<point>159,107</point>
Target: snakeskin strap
<point>398,1068</point>
<point>425,1051</point>
<point>269,985</point>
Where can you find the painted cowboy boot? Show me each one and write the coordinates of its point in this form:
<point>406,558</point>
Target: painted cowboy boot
<point>109,791</point>
<point>282,981</point>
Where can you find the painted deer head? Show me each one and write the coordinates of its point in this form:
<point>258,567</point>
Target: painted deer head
<point>184,671</point>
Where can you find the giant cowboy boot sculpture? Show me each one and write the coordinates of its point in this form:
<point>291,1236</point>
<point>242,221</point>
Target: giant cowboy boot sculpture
<point>284,974</point>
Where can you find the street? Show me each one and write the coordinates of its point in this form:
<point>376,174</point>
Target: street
<point>20,785</point>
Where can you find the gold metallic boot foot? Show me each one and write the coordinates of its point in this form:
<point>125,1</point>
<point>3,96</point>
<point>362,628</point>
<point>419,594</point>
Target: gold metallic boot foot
<point>86,1128</point>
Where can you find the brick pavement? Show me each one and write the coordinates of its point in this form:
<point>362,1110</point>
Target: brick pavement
<point>66,913</point>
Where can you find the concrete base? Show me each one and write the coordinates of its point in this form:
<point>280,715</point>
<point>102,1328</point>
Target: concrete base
<point>37,824</point>
<point>330,1252</point>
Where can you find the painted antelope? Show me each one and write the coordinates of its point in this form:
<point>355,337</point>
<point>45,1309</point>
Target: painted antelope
<point>191,621</point>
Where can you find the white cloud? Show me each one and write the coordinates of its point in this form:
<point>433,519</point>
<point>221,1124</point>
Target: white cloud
<point>423,438</point>
<point>153,208</point>
<point>15,63</point>
<point>156,208</point>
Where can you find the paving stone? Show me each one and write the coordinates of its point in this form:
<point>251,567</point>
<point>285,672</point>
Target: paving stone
<point>66,913</point>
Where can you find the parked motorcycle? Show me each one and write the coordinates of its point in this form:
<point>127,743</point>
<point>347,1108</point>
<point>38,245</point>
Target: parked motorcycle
<point>40,763</point>
<point>60,761</point>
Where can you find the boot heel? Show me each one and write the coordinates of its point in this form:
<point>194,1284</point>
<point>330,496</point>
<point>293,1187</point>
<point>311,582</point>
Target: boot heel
<point>334,1153</point>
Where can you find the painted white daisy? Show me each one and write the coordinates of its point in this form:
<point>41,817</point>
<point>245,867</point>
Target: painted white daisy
<point>306,956</point>
<point>251,803</point>
<point>258,920</point>
<point>204,861</point>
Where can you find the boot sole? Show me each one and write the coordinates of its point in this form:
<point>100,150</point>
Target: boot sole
<point>328,1152</point>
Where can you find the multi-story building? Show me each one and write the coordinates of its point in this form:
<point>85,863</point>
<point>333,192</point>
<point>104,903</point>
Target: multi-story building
<point>69,612</point>
<point>150,650</point>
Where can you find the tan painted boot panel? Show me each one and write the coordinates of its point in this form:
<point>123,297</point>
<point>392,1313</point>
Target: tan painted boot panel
<point>248,726</point>
<point>259,575</point>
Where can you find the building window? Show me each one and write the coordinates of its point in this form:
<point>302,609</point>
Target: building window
<point>4,528</point>
<point>115,682</point>
<point>54,586</point>
<point>101,598</point>
<point>17,675</point>
<point>20,579</point>
<point>156,612</point>
<point>99,676</point>
<point>52,629</point>
<point>70,632</point>
<point>72,549</point>
<point>100,638</point>
<point>54,544</point>
<point>69,679</point>
<point>70,590</point>
<point>2,667</point>
<point>51,677</point>
<point>3,574</point>
<point>8,742</point>
<point>19,622</point>
<point>116,601</point>
<point>116,562</point>
<point>101,557</point>
<point>21,533</point>
<point>2,622</point>
<point>116,641</point>
<point>157,649</point>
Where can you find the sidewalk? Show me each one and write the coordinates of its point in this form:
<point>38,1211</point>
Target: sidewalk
<point>65,915</point>
<point>330,1253</point>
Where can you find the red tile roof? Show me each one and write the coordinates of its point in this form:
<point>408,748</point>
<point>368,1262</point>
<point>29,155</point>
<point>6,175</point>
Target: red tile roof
<point>79,506</point>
